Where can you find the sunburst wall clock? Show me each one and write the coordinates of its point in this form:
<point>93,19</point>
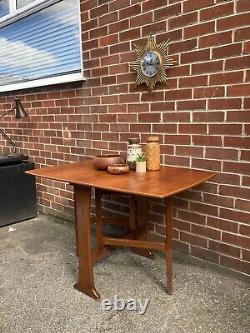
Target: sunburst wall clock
<point>151,63</point>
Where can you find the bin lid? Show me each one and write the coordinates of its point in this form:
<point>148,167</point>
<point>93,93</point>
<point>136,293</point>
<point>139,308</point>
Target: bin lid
<point>12,159</point>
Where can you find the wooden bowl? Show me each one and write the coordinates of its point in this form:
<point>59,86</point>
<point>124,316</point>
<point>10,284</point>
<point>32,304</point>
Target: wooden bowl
<point>101,162</point>
<point>118,169</point>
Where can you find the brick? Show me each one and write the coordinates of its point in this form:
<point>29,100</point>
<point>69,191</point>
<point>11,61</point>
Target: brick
<point>215,39</point>
<point>243,6</point>
<point>244,230</point>
<point>217,11</point>
<point>207,67</point>
<point>233,22</point>
<point>182,20</point>
<point>224,248</point>
<point>149,117</point>
<point>168,11</point>
<point>130,34</point>
<point>203,208</point>
<point>179,71</point>
<point>194,5</point>
<point>107,40</point>
<point>240,142</point>
<point>189,151</point>
<point>233,263</point>
<point>246,48</point>
<point>176,160</point>
<point>218,200</point>
<point>222,154</point>
<point>130,11</point>
<point>183,46</point>
<point>164,128</point>
<point>236,240</point>
<point>193,239</point>
<point>241,168</point>
<point>118,4</point>
<point>218,223</point>
<point>162,106</point>
<point>245,155</point>
<point>193,81</point>
<point>237,63</point>
<point>242,34</point>
<point>199,29</point>
<point>178,94</point>
<point>205,254</point>
<point>191,105</point>
<point>246,181</point>
<point>193,128</point>
<point>118,26</point>
<point>195,56</point>
<point>242,204</point>
<point>106,19</point>
<point>246,255</point>
<point>239,90</point>
<point>226,78</point>
<point>227,51</point>
<point>151,4</point>
<point>140,19</point>
<point>209,92</point>
<point>173,35</point>
<point>207,164</point>
<point>211,116</point>
<point>155,96</point>
<point>193,217</point>
<point>156,27</point>
<point>177,139</point>
<point>234,191</point>
<point>228,129</point>
<point>204,140</point>
<point>224,104</point>
<point>98,11</point>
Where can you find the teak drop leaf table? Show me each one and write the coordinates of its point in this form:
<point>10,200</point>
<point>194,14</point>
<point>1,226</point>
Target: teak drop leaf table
<point>162,184</point>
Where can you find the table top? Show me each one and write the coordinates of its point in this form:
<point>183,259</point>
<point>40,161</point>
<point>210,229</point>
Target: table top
<point>158,184</point>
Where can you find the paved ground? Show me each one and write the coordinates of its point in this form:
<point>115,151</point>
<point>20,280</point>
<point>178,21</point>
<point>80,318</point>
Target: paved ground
<point>38,270</point>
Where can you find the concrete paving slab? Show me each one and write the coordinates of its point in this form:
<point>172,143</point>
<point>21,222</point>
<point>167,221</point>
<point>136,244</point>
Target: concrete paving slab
<point>38,268</point>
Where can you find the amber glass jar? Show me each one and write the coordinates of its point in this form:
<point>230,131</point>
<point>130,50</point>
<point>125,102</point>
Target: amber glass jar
<point>153,155</point>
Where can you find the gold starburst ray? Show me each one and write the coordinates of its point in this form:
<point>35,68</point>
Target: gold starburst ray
<point>165,62</point>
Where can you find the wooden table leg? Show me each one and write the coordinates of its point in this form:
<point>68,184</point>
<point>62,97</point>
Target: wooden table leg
<point>142,220</point>
<point>85,282</point>
<point>76,234</point>
<point>169,244</point>
<point>99,227</point>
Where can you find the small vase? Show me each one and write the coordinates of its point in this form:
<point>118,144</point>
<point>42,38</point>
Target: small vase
<point>134,149</point>
<point>141,166</point>
<point>153,154</point>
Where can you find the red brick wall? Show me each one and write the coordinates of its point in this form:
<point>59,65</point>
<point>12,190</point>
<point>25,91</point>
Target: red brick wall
<point>202,116</point>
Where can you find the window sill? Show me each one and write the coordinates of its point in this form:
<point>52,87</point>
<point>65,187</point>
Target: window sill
<point>44,82</point>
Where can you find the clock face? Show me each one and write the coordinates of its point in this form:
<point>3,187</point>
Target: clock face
<point>150,63</point>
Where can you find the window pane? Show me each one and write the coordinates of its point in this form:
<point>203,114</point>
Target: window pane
<point>21,3</point>
<point>4,7</point>
<point>41,45</point>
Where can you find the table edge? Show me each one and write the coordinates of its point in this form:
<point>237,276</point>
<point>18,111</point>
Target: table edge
<point>160,196</point>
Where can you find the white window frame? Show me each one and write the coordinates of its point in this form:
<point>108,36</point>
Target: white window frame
<point>16,14</point>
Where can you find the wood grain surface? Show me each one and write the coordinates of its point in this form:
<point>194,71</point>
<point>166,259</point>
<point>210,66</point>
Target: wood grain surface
<point>159,184</point>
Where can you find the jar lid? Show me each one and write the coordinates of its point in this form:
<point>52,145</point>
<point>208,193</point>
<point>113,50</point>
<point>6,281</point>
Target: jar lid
<point>153,139</point>
<point>133,141</point>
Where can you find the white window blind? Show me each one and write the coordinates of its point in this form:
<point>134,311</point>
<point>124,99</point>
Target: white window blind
<point>41,48</point>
